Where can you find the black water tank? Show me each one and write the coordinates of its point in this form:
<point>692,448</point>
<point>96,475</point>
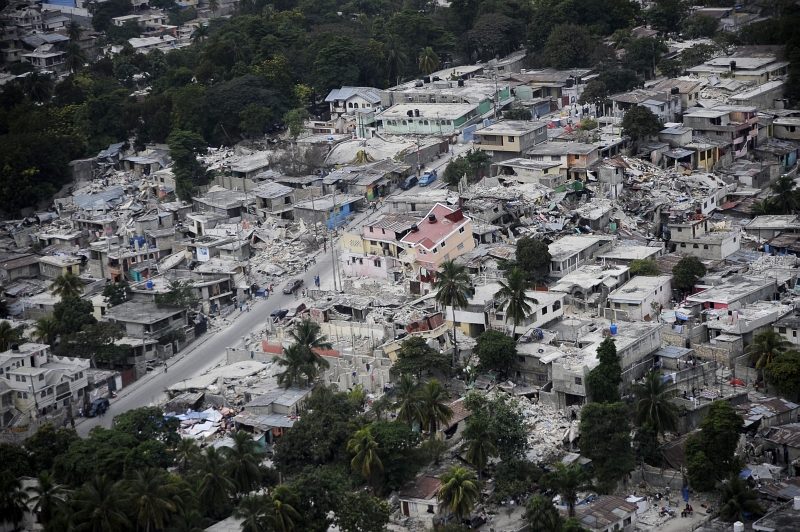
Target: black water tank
<point>432,218</point>
<point>410,113</point>
<point>435,78</point>
<point>569,83</point>
<point>577,80</point>
<point>426,79</point>
<point>733,66</point>
<point>414,228</point>
<point>418,84</point>
<point>674,90</point>
<point>461,83</point>
<point>416,112</point>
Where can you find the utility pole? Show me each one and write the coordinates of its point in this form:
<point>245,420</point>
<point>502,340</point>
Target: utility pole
<point>333,249</point>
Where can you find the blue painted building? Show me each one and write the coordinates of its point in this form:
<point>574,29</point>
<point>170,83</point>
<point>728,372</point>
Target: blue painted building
<point>333,210</point>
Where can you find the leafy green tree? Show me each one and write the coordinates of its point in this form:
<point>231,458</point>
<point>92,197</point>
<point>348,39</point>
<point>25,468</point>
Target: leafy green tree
<point>255,118</point>
<point>398,451</point>
<point>515,477</point>
<point>9,335</point>
<point>493,34</point>
<point>99,506</point>
<point>47,443</point>
<point>472,165</point>
<point>13,500</point>
<point>451,285</point>
<point>687,272</point>
<point>671,68</point>
<point>595,93</point>
<point>653,406</point>
<point>73,313</point>
<point>406,395</point>
<point>366,459</point>
<point>148,423</point>
<point>506,422</point>
<point>321,490</point>
<point>785,199</point>
<point>666,15</point>
<point>737,499</point>
<point>568,46</point>
<point>432,406</point>
<point>784,373</point>
<point>605,439</point>
<point>184,147</point>
<point>479,444</point>
<point>495,350</point>
<point>517,114</point>
<point>295,121</point>
<point>604,380</point>
<point>149,498</point>
<point>179,294</point>
<point>97,342</point>
<point>47,497</point>
<point>642,55</point>
<point>241,462</point>
<point>697,54</point>
<point>334,66</point>
<point>710,455</point>
<point>514,298</point>
<point>567,482</point>
<point>67,285</point>
<point>700,25</point>
<point>214,486</point>
<point>103,453</point>
<point>533,256</point>
<point>16,460</point>
<point>117,293</point>
<point>359,512</point>
<point>646,267</point>
<point>619,80</point>
<point>74,57</point>
<point>460,491</point>
<point>640,122</point>
<point>587,124</point>
<point>646,446</point>
<point>539,512</point>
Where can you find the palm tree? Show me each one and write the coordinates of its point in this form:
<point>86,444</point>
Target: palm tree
<point>514,298</point>
<point>47,497</point>
<point>451,285</point>
<point>46,330</point>
<point>67,285</point>
<point>199,33</point>
<point>653,406</point>
<point>242,462</point>
<point>479,444</point>
<point>407,403</point>
<point>98,506</point>
<point>396,59</point>
<point>296,367</point>
<point>428,60</point>
<point>761,207</point>
<point>8,335</point>
<point>74,31</point>
<point>13,500</point>
<point>38,87</point>
<point>188,519</point>
<point>766,346</point>
<point>459,491</point>
<point>567,482</point>
<point>149,498</point>
<point>74,57</point>
<point>281,513</point>
<point>784,200</point>
<point>308,335</point>
<point>538,512</point>
<point>737,499</point>
<point>213,5</point>
<point>365,449</point>
<point>214,488</point>
<point>251,512</point>
<point>187,454</point>
<point>433,410</point>
<point>621,38</point>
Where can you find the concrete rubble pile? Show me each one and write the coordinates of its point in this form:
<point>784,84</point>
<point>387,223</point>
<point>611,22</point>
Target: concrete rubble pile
<point>550,429</point>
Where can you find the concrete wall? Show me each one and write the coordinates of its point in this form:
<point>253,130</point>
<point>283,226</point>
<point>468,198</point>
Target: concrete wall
<point>689,335</point>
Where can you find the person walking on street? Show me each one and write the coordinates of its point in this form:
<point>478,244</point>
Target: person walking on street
<point>165,367</point>
<point>72,422</point>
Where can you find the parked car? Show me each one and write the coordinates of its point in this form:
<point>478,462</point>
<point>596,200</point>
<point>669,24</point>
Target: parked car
<point>475,521</point>
<point>409,182</point>
<point>98,407</point>
<point>296,311</point>
<point>427,178</point>
<point>279,314</point>
<point>292,286</point>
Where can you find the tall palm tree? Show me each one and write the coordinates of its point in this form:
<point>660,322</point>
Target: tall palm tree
<point>214,488</point>
<point>13,500</point>
<point>567,482</point>
<point>38,87</point>
<point>149,498</point>
<point>365,449</point>
<point>514,298</point>
<point>766,346</point>
<point>396,59</point>
<point>46,330</point>
<point>213,5</point>
<point>251,512</point>
<point>428,61</point>
<point>281,513</point>
<point>98,506</point>
<point>784,200</point>
<point>308,335</point>
<point>296,368</point>
<point>74,31</point>
<point>8,335</point>
<point>451,284</point>
<point>407,400</point>
<point>433,410</point>
<point>737,498</point>
<point>67,285</point>
<point>188,519</point>
<point>538,512</point>
<point>459,491</point>
<point>653,406</point>
<point>47,497</point>
<point>242,462</point>
<point>187,454</point>
<point>479,444</point>
<point>74,57</point>
<point>200,33</point>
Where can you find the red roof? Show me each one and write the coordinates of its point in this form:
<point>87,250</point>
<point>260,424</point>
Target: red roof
<point>430,233</point>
